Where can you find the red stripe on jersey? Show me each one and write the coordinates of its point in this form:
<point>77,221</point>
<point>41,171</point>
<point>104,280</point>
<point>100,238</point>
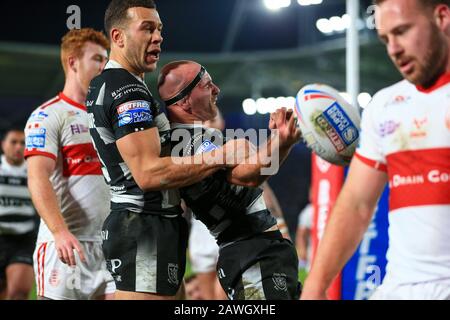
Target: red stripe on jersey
<point>34,152</point>
<point>80,160</point>
<point>419,178</point>
<point>372,163</point>
<point>71,102</point>
<point>53,101</point>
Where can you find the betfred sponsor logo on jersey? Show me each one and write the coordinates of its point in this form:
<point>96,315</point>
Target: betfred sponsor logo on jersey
<point>35,138</point>
<point>134,112</point>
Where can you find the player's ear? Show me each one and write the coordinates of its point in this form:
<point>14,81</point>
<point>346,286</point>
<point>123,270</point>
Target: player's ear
<point>442,18</point>
<point>118,37</point>
<point>72,62</point>
<point>185,104</point>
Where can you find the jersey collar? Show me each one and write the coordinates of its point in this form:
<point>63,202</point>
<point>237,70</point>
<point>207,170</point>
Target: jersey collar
<point>115,65</point>
<point>65,98</point>
<point>441,81</point>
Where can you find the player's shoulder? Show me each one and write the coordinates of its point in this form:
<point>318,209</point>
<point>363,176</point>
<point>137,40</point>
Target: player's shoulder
<point>114,75</point>
<point>47,109</point>
<point>116,78</point>
<point>391,95</point>
<point>397,91</point>
<point>119,85</point>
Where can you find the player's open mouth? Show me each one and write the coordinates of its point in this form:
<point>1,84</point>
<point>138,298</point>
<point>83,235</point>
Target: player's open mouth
<point>153,55</point>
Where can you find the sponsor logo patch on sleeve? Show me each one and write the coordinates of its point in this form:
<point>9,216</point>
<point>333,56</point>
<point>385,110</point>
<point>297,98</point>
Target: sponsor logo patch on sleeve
<point>136,111</point>
<point>36,138</point>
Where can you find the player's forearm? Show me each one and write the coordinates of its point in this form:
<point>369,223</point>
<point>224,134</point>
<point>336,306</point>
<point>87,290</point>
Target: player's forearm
<point>344,231</point>
<point>175,172</point>
<point>45,201</point>
<point>269,155</point>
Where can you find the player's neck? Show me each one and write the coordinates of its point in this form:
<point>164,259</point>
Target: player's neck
<point>12,162</point>
<point>124,63</point>
<point>73,91</point>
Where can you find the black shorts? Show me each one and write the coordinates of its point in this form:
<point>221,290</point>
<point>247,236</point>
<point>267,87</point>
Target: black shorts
<point>264,267</point>
<point>16,249</point>
<point>145,253</point>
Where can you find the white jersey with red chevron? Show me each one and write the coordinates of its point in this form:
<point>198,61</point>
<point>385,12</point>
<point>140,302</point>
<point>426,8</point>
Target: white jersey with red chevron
<point>59,130</point>
<point>406,132</point>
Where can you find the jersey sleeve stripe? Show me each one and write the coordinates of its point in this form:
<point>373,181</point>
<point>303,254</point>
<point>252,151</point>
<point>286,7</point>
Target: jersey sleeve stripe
<point>39,153</point>
<point>53,101</point>
<point>372,163</point>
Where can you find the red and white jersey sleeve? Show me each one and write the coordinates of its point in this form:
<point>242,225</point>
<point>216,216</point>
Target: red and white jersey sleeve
<point>370,148</point>
<point>59,130</point>
<point>406,133</point>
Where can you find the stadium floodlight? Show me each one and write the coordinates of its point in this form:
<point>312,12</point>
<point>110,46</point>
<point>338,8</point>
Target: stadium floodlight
<point>261,106</point>
<point>364,99</point>
<point>249,106</point>
<point>277,4</point>
<point>324,26</point>
<point>267,105</point>
<point>336,24</point>
<point>309,2</point>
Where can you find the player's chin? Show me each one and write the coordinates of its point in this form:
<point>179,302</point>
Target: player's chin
<point>415,78</point>
<point>150,67</point>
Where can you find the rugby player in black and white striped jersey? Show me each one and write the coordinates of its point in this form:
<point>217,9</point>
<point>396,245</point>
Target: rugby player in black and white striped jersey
<point>18,220</point>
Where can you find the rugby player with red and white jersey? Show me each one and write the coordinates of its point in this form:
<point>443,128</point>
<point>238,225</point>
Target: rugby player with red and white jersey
<point>59,130</point>
<point>406,133</point>
<point>405,142</point>
<point>66,181</point>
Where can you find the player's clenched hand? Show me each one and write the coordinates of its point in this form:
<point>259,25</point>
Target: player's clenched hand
<point>66,243</point>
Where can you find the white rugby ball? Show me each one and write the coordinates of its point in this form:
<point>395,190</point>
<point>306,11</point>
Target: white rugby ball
<point>329,124</point>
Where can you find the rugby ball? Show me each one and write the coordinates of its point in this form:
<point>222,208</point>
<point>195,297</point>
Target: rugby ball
<point>329,124</point>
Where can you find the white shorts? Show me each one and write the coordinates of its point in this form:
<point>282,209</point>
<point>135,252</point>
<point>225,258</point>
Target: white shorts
<point>57,281</point>
<point>203,249</point>
<point>433,290</point>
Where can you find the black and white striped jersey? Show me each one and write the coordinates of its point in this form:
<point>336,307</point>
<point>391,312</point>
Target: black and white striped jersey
<point>230,212</point>
<point>17,214</point>
<point>119,103</point>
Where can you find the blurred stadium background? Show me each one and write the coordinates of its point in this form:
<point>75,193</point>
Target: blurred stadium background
<point>251,50</point>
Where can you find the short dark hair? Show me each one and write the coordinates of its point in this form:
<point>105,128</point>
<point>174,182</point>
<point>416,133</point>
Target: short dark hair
<point>116,13</point>
<point>425,3</point>
<point>11,129</point>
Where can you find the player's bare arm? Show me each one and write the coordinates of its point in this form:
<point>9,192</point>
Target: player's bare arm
<point>40,168</point>
<point>354,209</point>
<point>141,152</point>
